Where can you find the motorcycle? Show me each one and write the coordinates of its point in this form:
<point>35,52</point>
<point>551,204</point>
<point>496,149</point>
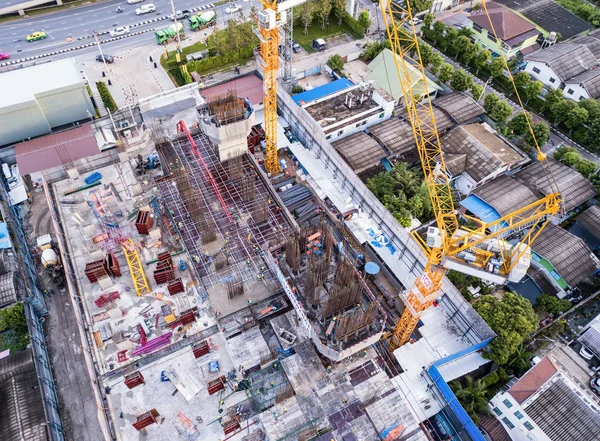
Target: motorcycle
<point>119,9</point>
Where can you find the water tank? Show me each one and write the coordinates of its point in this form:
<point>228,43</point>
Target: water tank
<point>49,257</point>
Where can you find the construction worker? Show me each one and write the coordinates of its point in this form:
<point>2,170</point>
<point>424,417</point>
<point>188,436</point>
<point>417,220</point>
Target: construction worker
<point>249,300</point>
<point>345,400</point>
<point>180,225</point>
<point>272,384</point>
<point>284,410</point>
<point>248,262</point>
<point>196,258</point>
<point>329,369</point>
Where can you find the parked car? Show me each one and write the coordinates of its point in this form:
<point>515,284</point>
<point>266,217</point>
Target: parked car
<point>180,15</point>
<point>133,2</point>
<point>233,8</point>
<point>145,9</point>
<point>4,56</point>
<point>296,47</point>
<point>595,385</point>
<point>586,353</point>
<point>417,21</point>
<point>107,58</point>
<point>318,44</point>
<point>116,32</point>
<point>36,36</point>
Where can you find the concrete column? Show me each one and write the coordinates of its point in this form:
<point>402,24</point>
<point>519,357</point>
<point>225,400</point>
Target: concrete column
<point>21,12</point>
<point>59,2</point>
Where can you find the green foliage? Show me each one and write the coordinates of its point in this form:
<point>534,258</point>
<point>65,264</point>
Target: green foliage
<point>552,98</point>
<point>582,9</point>
<point>403,193</point>
<point>354,25</point>
<point>446,72</point>
<point>521,79</point>
<point>541,132</point>
<point>480,59</point>
<point>533,89</point>
<point>296,88</point>
<point>496,68</point>
<point>595,180</point>
<point>13,328</point>
<point>552,304</point>
<point>473,396</point>
<point>501,112</point>
<point>428,19</point>
<point>519,362</point>
<point>518,126</point>
<point>419,5</point>
<point>592,106</point>
<point>490,101</point>
<point>106,97</point>
<point>512,319</point>
<point>231,57</point>
<point>323,11</point>
<point>364,20</point>
<point>374,49</point>
<point>336,63</point>
<point>577,115</point>
<point>435,62</point>
<point>187,78</point>
<point>476,90</point>
<point>461,81</point>
<point>586,167</point>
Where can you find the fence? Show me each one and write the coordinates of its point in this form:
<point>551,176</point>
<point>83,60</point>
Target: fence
<point>35,309</point>
<point>308,73</point>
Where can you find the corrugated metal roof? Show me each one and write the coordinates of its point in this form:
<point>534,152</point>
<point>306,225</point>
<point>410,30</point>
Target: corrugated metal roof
<point>590,220</point>
<point>590,80</point>
<point>396,134</point>
<point>574,188</point>
<point>384,75</point>
<point>322,91</point>
<point>591,339</point>
<point>459,106</point>
<point>592,41</point>
<point>55,150</point>
<point>249,86</point>
<point>505,22</point>
<point>569,254</point>
<point>360,151</point>
<point>8,289</point>
<point>565,59</point>
<point>505,194</point>
<point>533,379</point>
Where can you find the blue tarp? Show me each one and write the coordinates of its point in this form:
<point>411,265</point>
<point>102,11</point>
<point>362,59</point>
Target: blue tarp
<point>4,237</point>
<point>321,91</point>
<point>482,210</point>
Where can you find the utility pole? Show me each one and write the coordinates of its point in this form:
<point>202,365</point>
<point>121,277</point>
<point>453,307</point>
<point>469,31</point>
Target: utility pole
<point>177,39</point>
<point>102,55</point>
<point>484,87</point>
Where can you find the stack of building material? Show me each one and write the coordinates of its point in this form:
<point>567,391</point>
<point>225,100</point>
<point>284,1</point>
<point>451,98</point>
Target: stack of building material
<point>105,298</point>
<point>201,349</point>
<point>134,379</point>
<point>153,345</point>
<point>165,271</point>
<point>215,386</point>
<point>96,270</point>
<point>230,426</point>
<point>146,419</point>
<point>175,286</point>
<point>113,265</point>
<point>144,222</point>
<point>298,197</point>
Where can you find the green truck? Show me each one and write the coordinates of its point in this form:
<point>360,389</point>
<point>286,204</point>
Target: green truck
<point>203,20</point>
<point>165,35</point>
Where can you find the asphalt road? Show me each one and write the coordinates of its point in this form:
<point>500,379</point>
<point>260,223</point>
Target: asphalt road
<point>80,23</point>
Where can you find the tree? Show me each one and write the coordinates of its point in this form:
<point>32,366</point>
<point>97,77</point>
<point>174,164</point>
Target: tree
<point>561,109</point>
<point>561,152</point>
<point>428,19</point>
<point>512,319</point>
<point>541,132</point>
<point>519,124</point>
<point>476,91</point>
<point>419,5</point>
<point>446,72</point>
<point>571,158</point>
<point>439,29</point>
<point>577,115</point>
<point>336,63</point>
<point>461,44</point>
<point>473,396</point>
<point>501,112</point>
<point>480,59</point>
<point>435,62</point>
<point>323,11</point>
<point>532,90</point>
<point>592,106</point>
<point>450,37</point>
<point>374,49</point>
<point>340,9</point>
<point>496,68</point>
<point>13,328</point>
<point>520,361</point>
<point>586,167</point>
<point>461,80</point>
<point>552,304</point>
<point>552,98</point>
<point>364,20</point>
<point>470,53</point>
<point>489,102</point>
<point>307,12</point>
<point>426,53</point>
<point>521,79</point>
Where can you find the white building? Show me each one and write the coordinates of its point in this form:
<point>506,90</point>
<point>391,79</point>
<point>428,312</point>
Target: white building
<point>546,404</point>
<point>37,99</point>
<point>350,110</point>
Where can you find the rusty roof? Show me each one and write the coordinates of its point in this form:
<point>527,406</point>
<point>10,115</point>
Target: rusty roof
<point>249,86</point>
<point>56,149</point>
<point>535,378</point>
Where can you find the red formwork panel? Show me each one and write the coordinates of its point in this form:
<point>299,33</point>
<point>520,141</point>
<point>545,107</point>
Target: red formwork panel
<point>134,379</point>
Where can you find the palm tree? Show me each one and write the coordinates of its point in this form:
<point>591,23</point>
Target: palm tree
<point>473,397</point>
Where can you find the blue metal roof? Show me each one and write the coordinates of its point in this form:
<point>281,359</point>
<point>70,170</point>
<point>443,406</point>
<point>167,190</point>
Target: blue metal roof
<point>481,209</point>
<point>324,90</point>
<point>4,237</point>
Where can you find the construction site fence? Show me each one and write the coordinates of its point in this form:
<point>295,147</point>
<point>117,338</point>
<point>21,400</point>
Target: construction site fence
<point>35,308</point>
<point>311,135</point>
<point>79,312</point>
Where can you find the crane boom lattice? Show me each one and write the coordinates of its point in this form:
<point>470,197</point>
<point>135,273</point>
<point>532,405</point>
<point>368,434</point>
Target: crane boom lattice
<point>136,269</point>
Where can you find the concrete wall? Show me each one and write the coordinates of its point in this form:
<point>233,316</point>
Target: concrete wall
<point>21,7</point>
<point>498,46</point>
<point>545,74</point>
<point>579,92</point>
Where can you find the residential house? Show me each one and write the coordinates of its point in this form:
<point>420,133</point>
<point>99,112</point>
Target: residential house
<point>502,31</point>
<point>385,75</point>
<point>563,258</point>
<point>547,404</point>
<point>458,19</point>
<point>475,154</point>
<point>571,66</point>
<point>362,152</point>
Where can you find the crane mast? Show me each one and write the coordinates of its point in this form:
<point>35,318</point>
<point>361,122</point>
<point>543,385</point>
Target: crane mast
<point>445,243</point>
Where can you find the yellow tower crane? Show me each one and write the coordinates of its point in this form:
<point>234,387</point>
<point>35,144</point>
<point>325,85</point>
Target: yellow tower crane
<point>479,252</point>
<point>270,20</point>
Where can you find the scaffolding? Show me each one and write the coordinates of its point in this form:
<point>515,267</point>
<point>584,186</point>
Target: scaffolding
<point>136,269</point>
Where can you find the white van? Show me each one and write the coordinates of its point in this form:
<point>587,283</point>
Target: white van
<point>133,2</point>
<point>145,9</point>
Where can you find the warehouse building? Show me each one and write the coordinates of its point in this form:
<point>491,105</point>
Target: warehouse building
<point>41,98</point>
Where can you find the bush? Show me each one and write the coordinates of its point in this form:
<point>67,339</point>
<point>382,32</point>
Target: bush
<point>336,63</point>
<point>106,97</point>
<point>357,28</point>
<point>239,56</point>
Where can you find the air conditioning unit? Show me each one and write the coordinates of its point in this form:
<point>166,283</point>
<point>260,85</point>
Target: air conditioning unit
<point>267,19</point>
